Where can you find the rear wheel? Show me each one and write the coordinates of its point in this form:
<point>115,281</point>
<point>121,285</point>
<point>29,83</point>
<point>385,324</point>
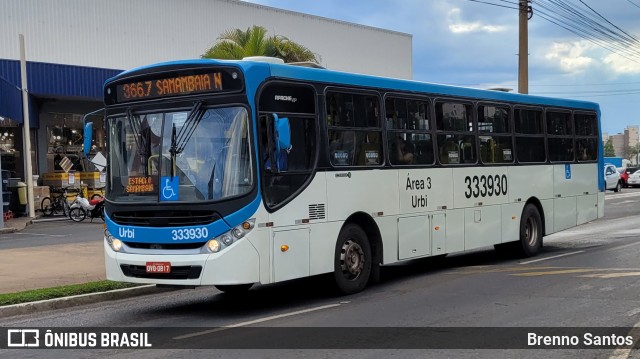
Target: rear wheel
<point>530,231</point>
<point>618,187</point>
<point>352,263</point>
<point>77,214</point>
<point>46,206</point>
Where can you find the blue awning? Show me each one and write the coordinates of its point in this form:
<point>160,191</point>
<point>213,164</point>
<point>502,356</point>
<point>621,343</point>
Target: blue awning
<point>48,80</point>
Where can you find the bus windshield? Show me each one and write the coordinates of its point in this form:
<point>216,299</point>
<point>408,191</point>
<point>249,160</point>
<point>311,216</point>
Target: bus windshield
<point>193,155</point>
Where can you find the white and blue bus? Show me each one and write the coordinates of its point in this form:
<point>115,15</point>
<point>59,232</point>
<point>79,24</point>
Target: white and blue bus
<point>230,173</point>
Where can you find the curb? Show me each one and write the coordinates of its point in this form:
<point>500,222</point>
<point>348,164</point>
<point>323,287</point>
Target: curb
<point>89,298</point>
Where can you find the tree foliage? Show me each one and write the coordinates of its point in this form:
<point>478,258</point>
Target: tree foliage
<point>609,151</point>
<point>236,44</point>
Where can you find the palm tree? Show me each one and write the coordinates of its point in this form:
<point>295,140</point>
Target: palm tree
<point>237,44</point>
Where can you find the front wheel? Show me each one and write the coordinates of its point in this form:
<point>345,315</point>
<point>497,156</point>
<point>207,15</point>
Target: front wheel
<point>352,263</point>
<point>618,187</point>
<point>77,214</point>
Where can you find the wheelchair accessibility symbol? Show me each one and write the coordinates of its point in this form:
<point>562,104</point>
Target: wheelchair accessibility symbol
<point>567,171</point>
<point>169,190</point>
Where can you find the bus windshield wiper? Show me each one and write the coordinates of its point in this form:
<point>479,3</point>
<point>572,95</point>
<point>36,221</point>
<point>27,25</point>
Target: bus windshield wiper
<point>180,140</point>
<point>142,142</point>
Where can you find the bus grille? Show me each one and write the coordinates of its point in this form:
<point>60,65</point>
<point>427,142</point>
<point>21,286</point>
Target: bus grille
<point>316,211</point>
<point>170,246</point>
<point>183,272</point>
<point>164,218</point>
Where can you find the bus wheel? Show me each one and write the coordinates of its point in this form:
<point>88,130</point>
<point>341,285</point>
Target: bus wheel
<point>352,264</point>
<point>530,231</point>
<point>234,288</point>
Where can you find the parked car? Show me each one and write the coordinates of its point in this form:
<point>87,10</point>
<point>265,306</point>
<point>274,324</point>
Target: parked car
<point>634,179</point>
<point>625,172</point>
<point>612,178</point>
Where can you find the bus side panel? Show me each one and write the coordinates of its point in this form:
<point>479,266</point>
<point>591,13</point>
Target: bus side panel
<point>530,181</point>
<point>482,226</point>
<point>583,179</point>
<point>361,191</point>
<point>309,246</point>
<point>455,230</point>
<point>600,204</point>
<point>425,190</point>
<point>511,214</point>
<point>547,208</point>
<point>322,246</point>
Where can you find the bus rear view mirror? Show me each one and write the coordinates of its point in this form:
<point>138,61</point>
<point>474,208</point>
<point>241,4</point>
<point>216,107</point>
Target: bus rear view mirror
<point>88,132</point>
<point>88,135</point>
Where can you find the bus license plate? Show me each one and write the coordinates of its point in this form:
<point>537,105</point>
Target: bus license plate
<point>158,267</point>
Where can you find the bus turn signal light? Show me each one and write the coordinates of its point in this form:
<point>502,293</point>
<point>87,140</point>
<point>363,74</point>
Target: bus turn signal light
<point>284,248</point>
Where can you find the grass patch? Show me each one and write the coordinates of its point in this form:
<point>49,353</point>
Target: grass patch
<point>59,292</point>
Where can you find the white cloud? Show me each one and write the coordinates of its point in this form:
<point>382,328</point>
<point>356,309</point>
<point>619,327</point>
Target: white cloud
<point>456,25</point>
<point>570,57</point>
<point>622,65</point>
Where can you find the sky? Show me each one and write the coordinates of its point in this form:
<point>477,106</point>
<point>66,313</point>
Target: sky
<point>475,44</point>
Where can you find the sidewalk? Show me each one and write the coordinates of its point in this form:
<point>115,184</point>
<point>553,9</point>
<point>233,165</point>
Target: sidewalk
<point>47,266</point>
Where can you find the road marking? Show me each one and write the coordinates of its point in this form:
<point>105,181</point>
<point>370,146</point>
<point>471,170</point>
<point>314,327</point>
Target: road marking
<point>544,259</point>
<point>243,324</point>
<point>612,275</point>
<point>565,271</point>
<point>614,196</point>
<point>40,234</point>
<point>623,246</point>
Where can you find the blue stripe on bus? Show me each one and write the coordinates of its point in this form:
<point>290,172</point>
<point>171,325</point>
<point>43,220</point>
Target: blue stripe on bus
<point>165,235</point>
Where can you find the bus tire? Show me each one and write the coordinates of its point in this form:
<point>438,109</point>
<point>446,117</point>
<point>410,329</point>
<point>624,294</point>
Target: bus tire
<point>530,231</point>
<point>353,261</point>
<point>234,288</point>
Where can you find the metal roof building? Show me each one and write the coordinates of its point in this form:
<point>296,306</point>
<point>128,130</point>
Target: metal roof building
<point>73,46</point>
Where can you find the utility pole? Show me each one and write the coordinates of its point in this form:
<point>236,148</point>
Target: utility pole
<point>523,48</point>
<point>26,127</point>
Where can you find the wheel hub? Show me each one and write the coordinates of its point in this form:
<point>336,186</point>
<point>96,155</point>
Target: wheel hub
<point>351,259</point>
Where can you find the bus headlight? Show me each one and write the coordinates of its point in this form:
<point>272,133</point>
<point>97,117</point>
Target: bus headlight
<point>228,238</point>
<point>114,243</point>
<point>213,246</point>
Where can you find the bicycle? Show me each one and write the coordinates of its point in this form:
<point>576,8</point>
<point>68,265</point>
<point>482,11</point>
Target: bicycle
<point>58,204</point>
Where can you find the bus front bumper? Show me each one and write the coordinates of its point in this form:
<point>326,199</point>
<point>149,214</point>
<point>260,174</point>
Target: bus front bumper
<point>237,264</point>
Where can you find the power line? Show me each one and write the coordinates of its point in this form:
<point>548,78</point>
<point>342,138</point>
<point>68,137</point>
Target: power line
<point>494,4</point>
<point>634,4</point>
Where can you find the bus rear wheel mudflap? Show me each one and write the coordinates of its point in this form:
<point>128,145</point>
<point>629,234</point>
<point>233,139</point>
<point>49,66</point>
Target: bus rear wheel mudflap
<point>353,260</point>
<point>234,288</point>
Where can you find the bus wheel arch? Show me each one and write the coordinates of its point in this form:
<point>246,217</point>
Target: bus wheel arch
<point>358,254</point>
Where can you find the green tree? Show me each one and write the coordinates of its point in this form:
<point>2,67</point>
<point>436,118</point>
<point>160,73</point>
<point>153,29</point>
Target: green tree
<point>608,149</point>
<point>236,44</point>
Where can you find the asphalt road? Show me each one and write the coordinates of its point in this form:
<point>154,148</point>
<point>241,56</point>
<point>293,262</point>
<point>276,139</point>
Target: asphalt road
<point>585,277</point>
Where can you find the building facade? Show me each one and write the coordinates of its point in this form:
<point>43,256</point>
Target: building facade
<point>73,46</point>
<point>625,144</point>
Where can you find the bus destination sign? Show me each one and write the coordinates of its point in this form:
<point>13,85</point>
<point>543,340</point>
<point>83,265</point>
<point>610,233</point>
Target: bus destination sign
<point>170,86</point>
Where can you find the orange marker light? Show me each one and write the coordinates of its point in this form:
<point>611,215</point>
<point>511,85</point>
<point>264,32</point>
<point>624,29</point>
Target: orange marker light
<point>284,248</point>
<point>437,228</point>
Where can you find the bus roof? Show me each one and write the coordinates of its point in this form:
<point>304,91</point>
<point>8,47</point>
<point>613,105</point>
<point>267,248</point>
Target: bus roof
<point>359,80</point>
